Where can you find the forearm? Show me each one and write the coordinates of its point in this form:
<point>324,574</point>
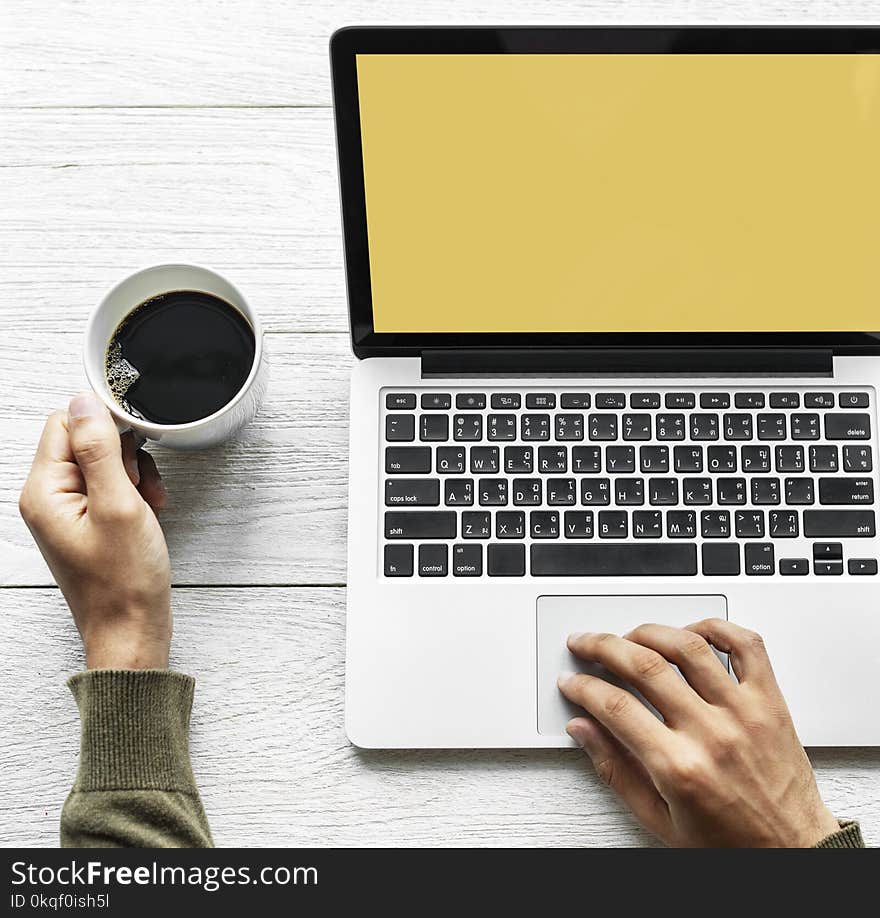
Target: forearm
<point>135,786</point>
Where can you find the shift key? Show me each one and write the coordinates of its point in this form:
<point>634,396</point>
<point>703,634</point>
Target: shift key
<point>420,524</point>
<point>839,524</point>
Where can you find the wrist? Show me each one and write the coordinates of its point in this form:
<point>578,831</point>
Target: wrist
<point>127,647</point>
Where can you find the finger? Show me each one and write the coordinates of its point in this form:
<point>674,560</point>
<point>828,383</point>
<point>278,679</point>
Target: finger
<point>621,713</point>
<point>151,487</point>
<point>644,669</point>
<point>748,655</point>
<point>94,440</point>
<point>130,458</point>
<point>54,445</point>
<point>622,772</point>
<point>691,653</point>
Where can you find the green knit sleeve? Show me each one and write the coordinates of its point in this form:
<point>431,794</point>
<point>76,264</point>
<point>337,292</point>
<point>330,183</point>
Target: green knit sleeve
<point>848,836</point>
<point>134,787</point>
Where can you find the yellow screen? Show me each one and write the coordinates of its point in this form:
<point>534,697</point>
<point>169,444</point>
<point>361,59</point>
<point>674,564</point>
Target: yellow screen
<point>622,193</point>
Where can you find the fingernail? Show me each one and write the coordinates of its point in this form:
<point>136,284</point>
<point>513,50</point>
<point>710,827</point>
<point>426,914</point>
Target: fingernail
<point>85,405</point>
<point>574,636</point>
<point>563,677</point>
<point>576,733</point>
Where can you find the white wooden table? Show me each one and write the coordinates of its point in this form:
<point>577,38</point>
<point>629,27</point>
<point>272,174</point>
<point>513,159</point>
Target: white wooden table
<point>134,133</point>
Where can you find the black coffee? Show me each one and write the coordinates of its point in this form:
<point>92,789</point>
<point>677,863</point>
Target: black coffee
<point>179,357</point>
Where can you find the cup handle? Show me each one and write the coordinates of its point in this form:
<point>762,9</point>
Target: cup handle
<point>139,438</point>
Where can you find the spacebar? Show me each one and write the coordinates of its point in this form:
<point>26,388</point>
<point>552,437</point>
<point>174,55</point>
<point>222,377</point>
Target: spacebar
<point>655,560</point>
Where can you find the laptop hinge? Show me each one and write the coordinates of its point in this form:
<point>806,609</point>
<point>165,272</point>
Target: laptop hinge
<point>789,362</point>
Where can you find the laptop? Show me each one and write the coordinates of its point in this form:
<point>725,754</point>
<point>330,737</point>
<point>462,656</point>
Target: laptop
<point>612,296</point>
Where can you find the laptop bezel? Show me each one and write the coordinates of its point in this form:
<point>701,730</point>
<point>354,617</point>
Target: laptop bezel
<point>346,43</point>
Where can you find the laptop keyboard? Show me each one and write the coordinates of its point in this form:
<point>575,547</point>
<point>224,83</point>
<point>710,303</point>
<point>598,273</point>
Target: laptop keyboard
<point>620,483</point>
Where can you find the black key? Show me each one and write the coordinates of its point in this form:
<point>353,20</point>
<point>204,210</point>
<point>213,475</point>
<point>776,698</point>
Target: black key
<point>506,560</point>
<point>760,559</point>
<point>510,524</point>
<point>526,492</point>
<point>436,401</point>
<point>492,492</point>
<point>574,400</point>
<point>433,561</point>
<point>540,400</point>
<point>484,459</point>
<point>595,492</point>
<point>501,400</point>
<point>771,426</point>
<point>586,459</point>
<point>654,458</point>
<point>501,427</point>
<point>629,492</point>
<point>715,524</point>
<point>467,560</point>
<point>544,524</point>
<point>755,459</point>
<point>470,427</point>
<point>805,427</point>
<point>578,524</point>
<point>407,460</point>
<point>535,426</point>
<point>799,491</point>
<point>420,524</point>
<point>400,401</point>
<point>399,559</point>
<point>862,566</point>
<point>450,460</point>
<point>603,426</point>
<point>459,492</point>
<point>598,560</point>
<point>620,459</point>
<point>721,458</point>
<point>569,427</point>
<point>818,400</point>
<point>717,400</point>
<point>670,427</point>
<point>749,524</point>
<point>688,458</point>
<point>704,426</point>
<point>476,525</point>
<point>519,459</point>
<point>826,568</point>
<point>765,491</point>
<point>433,427</point>
<point>680,400</point>
<point>789,459</point>
<point>853,400</point>
<point>400,427</point>
<point>840,491</point>
<point>663,491</point>
<point>824,458</point>
<point>612,524</point>
<point>840,523</point>
<point>749,400</point>
<point>827,551</point>
<point>647,524</point>
<point>681,524</point>
<point>847,426</point>
<point>644,400</point>
<point>721,560</point>
<point>794,567</point>
<point>637,427</point>
<point>785,400</point>
<point>731,490</point>
<point>412,492</point>
<point>697,490</point>
<point>552,459</point>
<point>737,427</point>
<point>470,400</point>
<point>610,400</point>
<point>783,524</point>
<point>855,459</point>
<point>561,492</point>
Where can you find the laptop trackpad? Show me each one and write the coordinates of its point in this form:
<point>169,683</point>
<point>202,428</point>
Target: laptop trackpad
<point>559,616</point>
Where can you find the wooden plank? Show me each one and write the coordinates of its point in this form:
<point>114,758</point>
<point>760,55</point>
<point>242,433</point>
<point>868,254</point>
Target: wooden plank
<point>267,508</point>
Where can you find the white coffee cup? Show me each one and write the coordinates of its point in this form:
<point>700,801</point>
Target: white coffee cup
<point>133,291</point>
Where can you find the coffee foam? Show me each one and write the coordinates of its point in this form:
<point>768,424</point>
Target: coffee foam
<point>120,374</point>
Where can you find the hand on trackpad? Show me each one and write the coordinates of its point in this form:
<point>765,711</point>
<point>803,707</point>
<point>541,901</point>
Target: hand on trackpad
<point>560,616</point>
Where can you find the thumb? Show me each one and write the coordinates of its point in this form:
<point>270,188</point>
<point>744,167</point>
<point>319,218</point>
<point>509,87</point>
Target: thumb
<point>95,443</point>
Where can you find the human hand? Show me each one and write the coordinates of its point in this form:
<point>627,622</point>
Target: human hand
<point>90,504</point>
<point>726,767</point>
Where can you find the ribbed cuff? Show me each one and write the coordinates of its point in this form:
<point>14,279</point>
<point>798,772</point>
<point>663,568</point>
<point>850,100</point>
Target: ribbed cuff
<point>135,730</point>
<point>849,836</point>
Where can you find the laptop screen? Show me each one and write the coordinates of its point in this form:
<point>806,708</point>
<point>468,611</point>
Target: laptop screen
<point>530,193</point>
